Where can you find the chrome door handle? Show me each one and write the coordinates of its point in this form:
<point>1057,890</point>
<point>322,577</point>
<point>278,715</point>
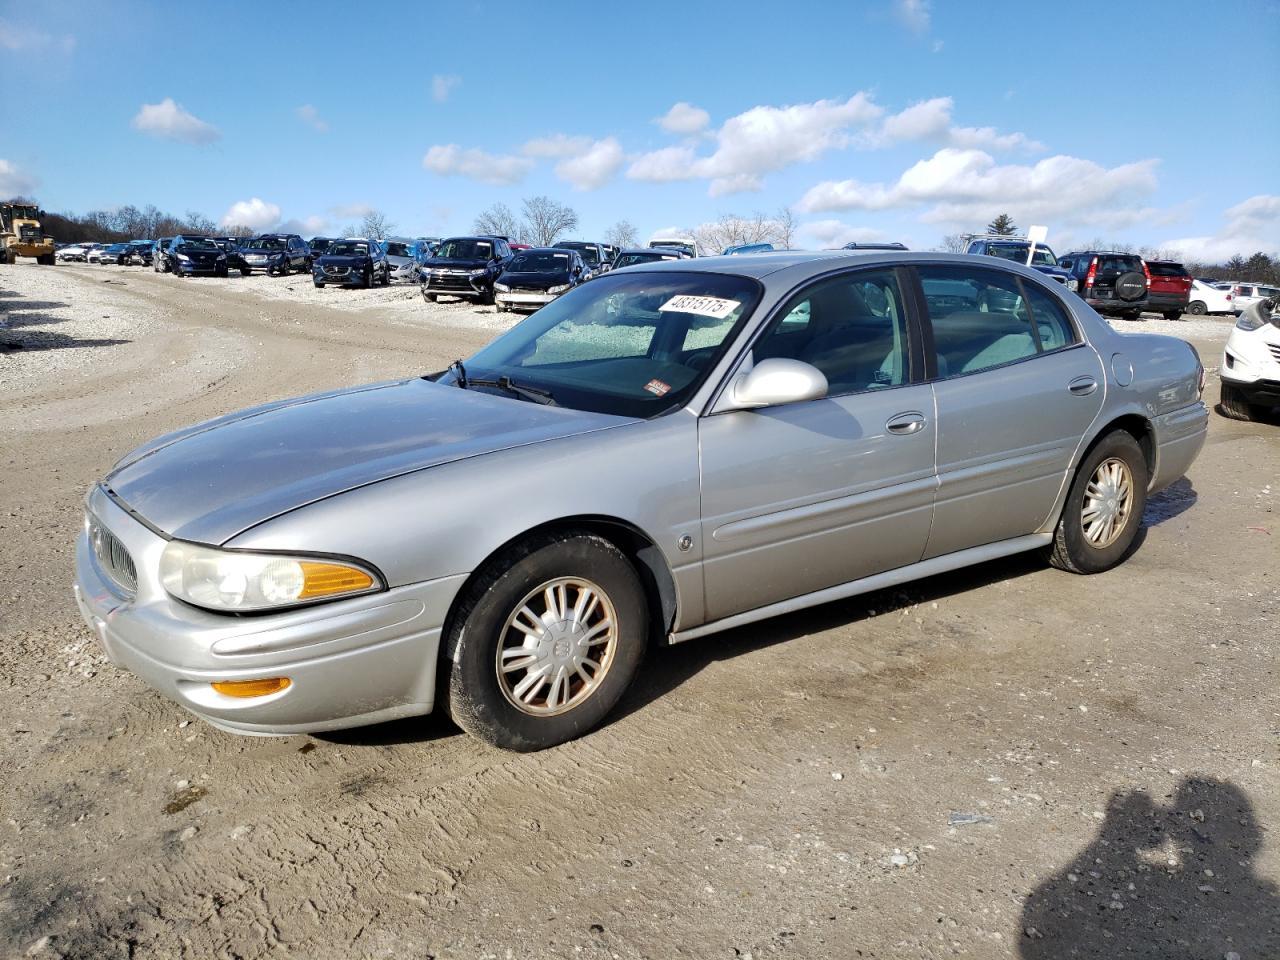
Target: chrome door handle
<point>1083,386</point>
<point>906,423</point>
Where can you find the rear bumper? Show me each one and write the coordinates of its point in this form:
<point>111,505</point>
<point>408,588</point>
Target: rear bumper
<point>350,663</point>
<point>1161,302</point>
<point>1112,307</point>
<point>1179,437</point>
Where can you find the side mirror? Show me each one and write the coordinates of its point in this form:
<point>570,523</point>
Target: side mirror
<point>774,382</point>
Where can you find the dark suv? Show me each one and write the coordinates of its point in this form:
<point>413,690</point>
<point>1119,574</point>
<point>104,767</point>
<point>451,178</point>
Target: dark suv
<point>465,267</point>
<point>353,262</point>
<point>231,247</point>
<point>276,253</point>
<point>1015,249</point>
<point>1114,284</point>
<point>1170,288</point>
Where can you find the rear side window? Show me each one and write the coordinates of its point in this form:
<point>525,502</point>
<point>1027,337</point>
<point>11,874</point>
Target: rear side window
<point>1167,269</point>
<point>1119,263</point>
<point>983,319</point>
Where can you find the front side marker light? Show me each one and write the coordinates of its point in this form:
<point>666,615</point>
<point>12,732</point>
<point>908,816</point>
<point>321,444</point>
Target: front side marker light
<point>245,689</point>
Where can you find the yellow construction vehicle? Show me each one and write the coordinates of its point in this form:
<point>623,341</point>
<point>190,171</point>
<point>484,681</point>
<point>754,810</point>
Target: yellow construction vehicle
<point>20,233</point>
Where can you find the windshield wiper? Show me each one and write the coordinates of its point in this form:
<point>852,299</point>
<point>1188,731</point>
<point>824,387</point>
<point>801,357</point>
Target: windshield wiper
<point>534,394</point>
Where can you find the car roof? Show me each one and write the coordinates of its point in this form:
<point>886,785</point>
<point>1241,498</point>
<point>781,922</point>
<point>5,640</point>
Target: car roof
<point>803,264</point>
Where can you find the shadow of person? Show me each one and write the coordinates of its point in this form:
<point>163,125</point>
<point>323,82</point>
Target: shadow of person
<point>1171,881</point>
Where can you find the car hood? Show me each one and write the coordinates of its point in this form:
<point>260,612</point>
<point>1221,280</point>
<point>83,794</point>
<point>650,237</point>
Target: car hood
<point>540,280</point>
<point>263,251</point>
<point>398,261</point>
<point>1051,271</point>
<point>214,480</point>
<point>440,263</point>
<point>341,260</point>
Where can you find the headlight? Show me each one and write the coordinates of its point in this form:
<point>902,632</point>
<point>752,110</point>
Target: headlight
<point>560,289</point>
<point>222,256</point>
<point>228,581</point>
<point>475,273</point>
<point>502,288</point>
<point>183,257</point>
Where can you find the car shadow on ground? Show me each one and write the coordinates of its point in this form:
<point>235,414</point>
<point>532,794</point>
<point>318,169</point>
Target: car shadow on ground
<point>1176,499</point>
<point>1171,879</point>
<point>19,316</point>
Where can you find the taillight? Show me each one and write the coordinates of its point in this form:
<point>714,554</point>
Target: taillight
<point>1229,297</point>
<point>1093,272</point>
<point>1147,270</point>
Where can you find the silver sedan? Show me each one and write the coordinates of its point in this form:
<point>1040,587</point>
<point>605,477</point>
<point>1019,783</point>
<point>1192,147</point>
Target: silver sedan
<point>670,450</point>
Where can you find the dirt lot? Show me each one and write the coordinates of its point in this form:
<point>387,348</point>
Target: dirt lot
<point>1004,762</point>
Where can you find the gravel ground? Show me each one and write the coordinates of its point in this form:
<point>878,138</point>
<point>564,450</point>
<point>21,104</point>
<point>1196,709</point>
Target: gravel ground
<point>1008,761</point>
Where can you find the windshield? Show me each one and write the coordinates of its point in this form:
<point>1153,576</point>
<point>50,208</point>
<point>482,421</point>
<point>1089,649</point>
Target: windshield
<point>465,250</point>
<point>395,249</point>
<point>589,251</point>
<point>348,248</point>
<point>187,246</point>
<point>674,245</point>
<point>540,263</point>
<point>632,345</point>
<point>1017,252</point>
<point>318,244</point>
<point>267,243</point>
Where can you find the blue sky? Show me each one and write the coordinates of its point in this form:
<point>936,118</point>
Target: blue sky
<point>898,119</point>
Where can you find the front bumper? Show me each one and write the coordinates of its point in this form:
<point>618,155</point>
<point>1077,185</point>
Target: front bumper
<point>351,662</point>
<point>456,285</point>
<point>1251,363</point>
<point>525,298</point>
<point>206,268</point>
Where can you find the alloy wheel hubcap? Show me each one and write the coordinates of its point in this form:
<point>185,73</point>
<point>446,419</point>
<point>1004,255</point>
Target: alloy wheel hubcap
<point>1108,502</point>
<point>556,646</point>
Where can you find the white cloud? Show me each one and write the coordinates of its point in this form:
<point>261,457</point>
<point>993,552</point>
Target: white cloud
<point>15,183</point>
<point>836,233</point>
<point>311,116</point>
<point>556,145</point>
<point>684,118</point>
<point>306,227</point>
<point>913,14</point>
<point>931,120</point>
<point>593,167</point>
<point>170,121</point>
<point>442,85</point>
<point>761,140</point>
<point>19,38</point>
<point>451,160</point>
<point>937,46</point>
<point>350,211</point>
<point>966,187</point>
<point>1251,225</point>
<point>254,213</point>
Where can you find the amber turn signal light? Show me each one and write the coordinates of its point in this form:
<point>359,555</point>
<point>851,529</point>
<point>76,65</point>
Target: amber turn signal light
<point>251,688</point>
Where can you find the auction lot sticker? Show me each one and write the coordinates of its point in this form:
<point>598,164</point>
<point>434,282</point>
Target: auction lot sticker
<point>712,307</point>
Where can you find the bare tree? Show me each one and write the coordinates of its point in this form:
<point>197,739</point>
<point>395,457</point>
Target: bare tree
<point>546,219</point>
<point>953,243</point>
<point>499,220</point>
<point>622,235</point>
<point>376,226</point>
<point>784,228</point>
<point>238,230</point>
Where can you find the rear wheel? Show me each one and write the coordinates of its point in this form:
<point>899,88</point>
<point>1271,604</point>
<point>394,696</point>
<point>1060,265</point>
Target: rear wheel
<point>1131,314</point>
<point>368,278</point>
<point>1104,507</point>
<point>429,297</point>
<point>546,641</point>
<point>1232,404</point>
<point>1173,314</point>
<point>1197,308</point>
<point>244,271</point>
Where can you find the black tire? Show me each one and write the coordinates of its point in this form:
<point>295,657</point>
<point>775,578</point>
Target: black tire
<point>222,272</point>
<point>386,277</point>
<point>318,284</point>
<point>477,701</point>
<point>429,297</point>
<point>488,298</point>
<point>368,279</point>
<point>1071,549</point>
<point>1197,308</point>
<point>244,271</point>
<point>45,260</point>
<point>1131,286</point>
<point>1131,314</point>
<point>1173,314</point>
<point>1232,404</point>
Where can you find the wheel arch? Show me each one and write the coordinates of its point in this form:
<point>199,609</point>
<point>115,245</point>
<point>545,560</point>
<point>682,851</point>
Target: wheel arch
<point>638,547</point>
<point>1137,426</point>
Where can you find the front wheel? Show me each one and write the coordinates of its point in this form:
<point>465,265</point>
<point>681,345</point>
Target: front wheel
<point>1104,507</point>
<point>429,297</point>
<point>546,641</point>
<point>1173,314</point>
<point>368,279</point>
<point>318,284</point>
<point>1232,404</point>
<point>45,260</point>
<point>1197,308</point>
<point>1131,314</point>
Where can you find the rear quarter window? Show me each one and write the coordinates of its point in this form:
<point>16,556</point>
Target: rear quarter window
<point>1167,269</point>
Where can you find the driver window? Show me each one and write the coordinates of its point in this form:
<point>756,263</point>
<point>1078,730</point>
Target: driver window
<point>852,328</point>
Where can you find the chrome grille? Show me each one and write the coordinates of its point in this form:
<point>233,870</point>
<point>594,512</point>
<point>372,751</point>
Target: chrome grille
<point>112,556</point>
<point>1275,350</point>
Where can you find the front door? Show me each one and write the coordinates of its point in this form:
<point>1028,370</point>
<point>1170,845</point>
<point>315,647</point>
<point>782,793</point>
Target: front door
<point>800,497</point>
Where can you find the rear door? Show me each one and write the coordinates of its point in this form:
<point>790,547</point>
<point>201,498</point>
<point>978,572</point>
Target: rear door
<point>1016,388</point>
<point>1113,278</point>
<point>803,496</point>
